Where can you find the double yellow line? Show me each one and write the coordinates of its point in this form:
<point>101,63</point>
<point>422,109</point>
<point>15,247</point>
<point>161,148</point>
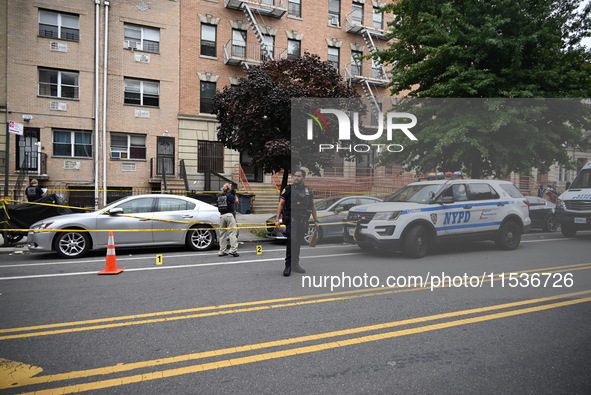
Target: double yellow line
<point>470,317</point>
<point>244,307</point>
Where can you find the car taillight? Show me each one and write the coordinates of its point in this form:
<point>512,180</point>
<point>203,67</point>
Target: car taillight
<point>526,202</point>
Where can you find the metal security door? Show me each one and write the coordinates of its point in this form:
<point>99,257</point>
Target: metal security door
<point>26,152</point>
<point>165,156</point>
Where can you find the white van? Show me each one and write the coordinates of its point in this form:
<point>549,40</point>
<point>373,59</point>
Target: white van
<point>573,207</point>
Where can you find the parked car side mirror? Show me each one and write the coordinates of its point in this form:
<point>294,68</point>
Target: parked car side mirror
<point>338,209</point>
<point>115,211</point>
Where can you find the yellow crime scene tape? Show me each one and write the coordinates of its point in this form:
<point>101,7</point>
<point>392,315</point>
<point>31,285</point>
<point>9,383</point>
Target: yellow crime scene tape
<point>256,225</point>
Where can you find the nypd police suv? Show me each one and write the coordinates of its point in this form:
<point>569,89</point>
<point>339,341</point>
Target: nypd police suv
<point>573,207</point>
<point>414,217</point>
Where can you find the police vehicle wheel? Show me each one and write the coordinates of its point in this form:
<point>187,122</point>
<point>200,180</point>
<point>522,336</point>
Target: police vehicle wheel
<point>568,230</point>
<point>200,239</point>
<point>509,236</point>
<point>417,242</point>
<point>551,224</point>
<point>72,244</point>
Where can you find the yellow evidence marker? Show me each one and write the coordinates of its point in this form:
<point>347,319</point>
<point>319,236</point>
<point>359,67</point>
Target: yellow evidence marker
<point>159,259</point>
<point>259,250</point>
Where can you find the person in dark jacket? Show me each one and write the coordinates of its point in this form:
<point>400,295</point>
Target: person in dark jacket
<point>295,205</point>
<point>227,208</point>
<point>34,191</point>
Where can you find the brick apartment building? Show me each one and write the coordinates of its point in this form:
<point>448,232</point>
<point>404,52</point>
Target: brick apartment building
<point>116,120</point>
<point>115,96</point>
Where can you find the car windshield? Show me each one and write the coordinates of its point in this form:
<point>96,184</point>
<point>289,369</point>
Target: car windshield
<point>583,180</point>
<point>326,203</point>
<point>423,193</point>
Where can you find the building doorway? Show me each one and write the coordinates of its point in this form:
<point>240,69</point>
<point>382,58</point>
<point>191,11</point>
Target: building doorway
<point>253,173</point>
<point>26,149</point>
<point>165,156</point>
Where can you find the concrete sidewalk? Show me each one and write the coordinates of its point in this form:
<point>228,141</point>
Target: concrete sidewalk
<point>251,220</point>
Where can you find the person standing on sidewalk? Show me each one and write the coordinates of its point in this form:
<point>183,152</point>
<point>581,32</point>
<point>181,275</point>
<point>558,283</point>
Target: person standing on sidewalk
<point>227,208</point>
<point>295,205</point>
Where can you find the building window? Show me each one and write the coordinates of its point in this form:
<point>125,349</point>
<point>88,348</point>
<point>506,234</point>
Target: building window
<point>206,97</point>
<point>268,47</point>
<point>334,12</point>
<point>376,109</point>
<point>378,19</point>
<point>293,49</point>
<point>72,143</point>
<point>562,173</point>
<point>333,57</point>
<point>142,92</point>
<point>60,25</point>
<point>59,83</point>
<point>356,63</point>
<point>128,146</point>
<point>238,43</point>
<point>210,156</point>
<point>142,38</point>
<point>80,196</point>
<point>357,14</point>
<point>116,193</point>
<point>208,40</point>
<point>294,8</point>
<point>376,70</point>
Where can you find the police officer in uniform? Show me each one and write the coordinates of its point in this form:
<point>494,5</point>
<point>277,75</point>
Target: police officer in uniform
<point>295,205</point>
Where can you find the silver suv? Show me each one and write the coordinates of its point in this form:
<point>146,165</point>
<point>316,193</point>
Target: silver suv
<point>413,218</point>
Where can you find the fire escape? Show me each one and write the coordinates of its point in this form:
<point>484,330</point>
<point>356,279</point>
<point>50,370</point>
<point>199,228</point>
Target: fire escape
<point>242,54</point>
<point>379,77</point>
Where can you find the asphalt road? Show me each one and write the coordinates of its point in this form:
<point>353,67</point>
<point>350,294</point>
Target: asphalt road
<point>510,322</point>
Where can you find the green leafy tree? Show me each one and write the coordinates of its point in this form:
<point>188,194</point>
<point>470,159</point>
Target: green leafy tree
<point>255,116</point>
<point>491,49</point>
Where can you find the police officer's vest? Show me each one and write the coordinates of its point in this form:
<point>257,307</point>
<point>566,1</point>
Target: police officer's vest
<point>226,203</point>
<point>300,203</point>
<point>31,193</point>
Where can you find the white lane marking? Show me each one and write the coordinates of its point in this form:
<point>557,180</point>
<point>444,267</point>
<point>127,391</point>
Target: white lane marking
<point>175,267</point>
<point>122,257</point>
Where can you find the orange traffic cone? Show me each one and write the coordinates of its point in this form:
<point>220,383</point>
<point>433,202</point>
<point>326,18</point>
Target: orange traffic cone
<point>111,263</point>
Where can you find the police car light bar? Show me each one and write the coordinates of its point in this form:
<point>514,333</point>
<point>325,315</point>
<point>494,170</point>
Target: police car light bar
<point>442,176</point>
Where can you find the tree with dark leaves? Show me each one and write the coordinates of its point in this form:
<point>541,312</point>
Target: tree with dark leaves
<point>255,115</point>
<point>509,49</point>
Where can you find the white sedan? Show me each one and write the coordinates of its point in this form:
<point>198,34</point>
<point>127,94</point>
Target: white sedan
<point>136,221</point>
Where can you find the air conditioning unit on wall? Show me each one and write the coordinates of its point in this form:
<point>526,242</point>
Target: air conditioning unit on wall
<point>129,44</point>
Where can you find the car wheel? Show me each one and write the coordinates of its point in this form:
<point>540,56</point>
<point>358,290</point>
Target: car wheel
<point>551,224</point>
<point>509,236</point>
<point>417,242</point>
<point>72,244</point>
<point>200,239</point>
<point>12,237</point>
<point>309,233</point>
<point>568,230</point>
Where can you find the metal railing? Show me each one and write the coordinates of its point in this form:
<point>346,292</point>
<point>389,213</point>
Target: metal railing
<point>357,22</point>
<point>215,181</point>
<point>238,54</point>
<point>241,177</point>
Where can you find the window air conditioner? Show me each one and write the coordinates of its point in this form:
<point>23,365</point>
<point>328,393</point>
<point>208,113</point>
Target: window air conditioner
<point>129,44</point>
<point>334,21</point>
<point>115,155</point>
